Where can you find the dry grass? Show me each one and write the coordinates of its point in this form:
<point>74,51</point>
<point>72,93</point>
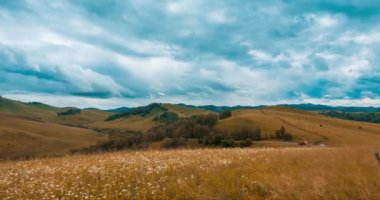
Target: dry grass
<point>287,173</point>
<point>21,137</point>
<point>183,111</point>
<point>302,124</point>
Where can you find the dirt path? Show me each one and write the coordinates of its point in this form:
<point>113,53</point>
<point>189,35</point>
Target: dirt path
<point>301,129</point>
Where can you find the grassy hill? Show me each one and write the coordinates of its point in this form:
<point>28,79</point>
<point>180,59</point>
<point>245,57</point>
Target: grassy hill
<point>24,137</point>
<point>314,127</point>
<point>143,119</point>
<point>47,113</point>
<point>346,169</point>
<point>34,129</point>
<point>32,110</point>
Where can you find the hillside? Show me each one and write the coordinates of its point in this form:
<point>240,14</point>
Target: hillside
<point>24,137</point>
<point>47,113</point>
<point>308,107</point>
<point>142,118</point>
<point>314,127</point>
<point>32,110</point>
<point>37,129</point>
<point>34,129</point>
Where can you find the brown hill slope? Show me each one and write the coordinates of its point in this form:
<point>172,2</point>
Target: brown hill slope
<point>314,127</point>
<point>22,136</point>
<point>47,113</point>
<point>144,123</point>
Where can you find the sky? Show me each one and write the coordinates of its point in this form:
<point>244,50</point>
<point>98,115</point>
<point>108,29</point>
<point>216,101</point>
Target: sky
<point>112,53</point>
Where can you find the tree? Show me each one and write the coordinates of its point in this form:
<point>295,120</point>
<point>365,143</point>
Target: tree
<point>173,142</point>
<point>217,139</point>
<point>201,131</point>
<point>288,137</point>
<point>225,114</point>
<point>168,117</point>
<point>280,133</point>
<point>209,120</point>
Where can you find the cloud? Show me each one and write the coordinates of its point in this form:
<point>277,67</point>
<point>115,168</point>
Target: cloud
<point>219,52</point>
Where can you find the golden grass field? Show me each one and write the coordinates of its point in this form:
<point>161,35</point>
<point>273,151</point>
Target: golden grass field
<point>281,173</point>
<point>24,137</point>
<point>313,127</point>
<point>345,169</point>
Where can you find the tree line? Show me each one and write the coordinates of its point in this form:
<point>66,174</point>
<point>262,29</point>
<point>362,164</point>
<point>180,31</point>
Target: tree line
<point>196,131</point>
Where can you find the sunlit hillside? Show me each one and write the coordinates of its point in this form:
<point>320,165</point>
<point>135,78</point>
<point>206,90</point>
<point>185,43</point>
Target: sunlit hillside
<point>22,137</point>
<point>288,173</point>
<point>144,123</point>
<point>313,127</point>
<point>47,113</point>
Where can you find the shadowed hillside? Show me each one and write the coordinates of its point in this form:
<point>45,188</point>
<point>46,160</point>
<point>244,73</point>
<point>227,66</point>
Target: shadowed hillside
<point>142,118</point>
<point>34,129</point>
<point>25,137</point>
<point>47,113</point>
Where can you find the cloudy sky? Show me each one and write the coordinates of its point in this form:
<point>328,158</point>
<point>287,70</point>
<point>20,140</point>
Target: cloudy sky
<point>110,53</point>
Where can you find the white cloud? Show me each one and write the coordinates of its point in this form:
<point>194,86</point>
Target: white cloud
<point>249,52</point>
<point>327,21</point>
<point>219,17</point>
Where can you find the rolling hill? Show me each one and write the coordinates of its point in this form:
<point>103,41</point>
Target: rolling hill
<point>34,129</point>
<point>137,121</point>
<point>47,113</point>
<point>25,137</point>
<point>314,127</point>
<point>28,129</point>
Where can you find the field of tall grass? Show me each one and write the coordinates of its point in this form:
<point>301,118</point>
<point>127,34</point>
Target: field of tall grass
<point>282,173</point>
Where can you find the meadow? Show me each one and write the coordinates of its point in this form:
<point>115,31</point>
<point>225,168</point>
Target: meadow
<point>252,173</point>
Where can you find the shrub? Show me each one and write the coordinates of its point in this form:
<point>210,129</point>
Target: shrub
<point>288,137</point>
<point>282,134</point>
<point>142,111</point>
<point>173,143</point>
<point>209,120</point>
<point>228,143</point>
<point>245,143</point>
<point>71,111</point>
<point>246,133</point>
<point>201,131</point>
<point>167,117</point>
<point>118,140</point>
<point>217,139</point>
<point>225,114</point>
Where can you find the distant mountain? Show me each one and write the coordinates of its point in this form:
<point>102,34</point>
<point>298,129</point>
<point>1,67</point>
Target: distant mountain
<point>318,107</point>
<point>308,107</point>
<point>220,108</point>
<point>119,110</point>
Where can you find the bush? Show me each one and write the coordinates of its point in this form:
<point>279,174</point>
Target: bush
<point>118,140</point>
<point>228,143</point>
<point>167,117</point>
<point>288,137</point>
<point>71,111</point>
<point>142,111</point>
<point>209,120</point>
<point>225,114</point>
<point>169,143</point>
<point>201,131</point>
<point>282,134</point>
<point>245,143</point>
<point>217,139</point>
<point>247,133</point>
